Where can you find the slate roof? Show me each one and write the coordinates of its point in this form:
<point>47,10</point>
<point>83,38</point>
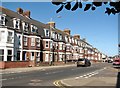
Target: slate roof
<point>11,14</point>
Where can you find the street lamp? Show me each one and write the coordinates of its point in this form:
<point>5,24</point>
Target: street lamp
<point>51,42</point>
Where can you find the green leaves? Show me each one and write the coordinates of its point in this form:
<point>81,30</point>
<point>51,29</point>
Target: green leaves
<point>75,6</point>
<point>93,8</point>
<point>56,3</point>
<point>60,9</point>
<point>111,7</point>
<point>87,7</point>
<point>80,4</point>
<point>97,4</point>
<point>68,6</point>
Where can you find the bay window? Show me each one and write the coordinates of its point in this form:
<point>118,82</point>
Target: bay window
<point>32,41</point>
<point>10,37</point>
<point>9,55</point>
<point>2,36</point>
<point>25,41</point>
<point>37,42</point>
<point>1,54</point>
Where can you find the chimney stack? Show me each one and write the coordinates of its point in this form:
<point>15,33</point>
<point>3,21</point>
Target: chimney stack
<point>20,10</point>
<point>26,13</point>
<point>67,31</point>
<point>51,24</point>
<point>77,36</point>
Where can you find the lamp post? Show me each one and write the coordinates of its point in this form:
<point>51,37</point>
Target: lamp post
<point>51,42</point>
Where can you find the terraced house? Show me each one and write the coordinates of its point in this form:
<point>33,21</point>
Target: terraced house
<point>26,42</point>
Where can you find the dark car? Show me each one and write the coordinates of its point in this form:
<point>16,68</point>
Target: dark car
<point>83,62</point>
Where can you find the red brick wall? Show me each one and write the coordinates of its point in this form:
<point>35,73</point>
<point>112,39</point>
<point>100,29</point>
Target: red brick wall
<point>14,64</point>
<point>2,64</point>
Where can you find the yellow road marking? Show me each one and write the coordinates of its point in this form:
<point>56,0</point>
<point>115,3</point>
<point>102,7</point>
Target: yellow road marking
<point>57,83</point>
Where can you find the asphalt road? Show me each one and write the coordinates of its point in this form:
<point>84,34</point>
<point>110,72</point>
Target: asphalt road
<point>46,77</point>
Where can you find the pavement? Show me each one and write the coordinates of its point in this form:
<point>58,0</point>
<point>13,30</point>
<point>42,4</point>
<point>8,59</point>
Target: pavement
<point>27,69</point>
<point>105,78</point>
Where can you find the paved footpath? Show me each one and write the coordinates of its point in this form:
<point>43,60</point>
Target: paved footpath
<point>104,78</point>
<point>27,69</point>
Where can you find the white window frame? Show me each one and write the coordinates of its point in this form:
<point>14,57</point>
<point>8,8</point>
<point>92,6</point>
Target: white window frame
<point>2,55</point>
<point>2,35</point>
<point>25,39</point>
<point>60,46</point>
<point>51,44</point>
<point>60,36</point>
<point>38,42</point>
<point>60,57</point>
<point>46,57</point>
<point>32,41</point>
<point>75,41</point>
<point>33,27</point>
<point>32,56</point>
<point>2,21</point>
<point>25,26</point>
<point>10,37</point>
<point>72,40</point>
<point>66,39</point>
<point>46,44</point>
<point>53,34</point>
<point>69,39</point>
<point>15,20</point>
<point>47,32</point>
<point>56,36</point>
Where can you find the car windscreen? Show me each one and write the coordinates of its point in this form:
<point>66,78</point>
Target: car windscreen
<point>116,60</point>
<point>80,59</point>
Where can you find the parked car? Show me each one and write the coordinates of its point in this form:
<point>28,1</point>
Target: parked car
<point>116,62</point>
<point>83,62</point>
<point>110,61</point>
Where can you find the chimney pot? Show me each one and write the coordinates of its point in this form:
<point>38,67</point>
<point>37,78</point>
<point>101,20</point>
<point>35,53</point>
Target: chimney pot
<point>20,10</point>
<point>51,24</point>
<point>67,31</point>
<point>77,36</point>
<point>27,13</point>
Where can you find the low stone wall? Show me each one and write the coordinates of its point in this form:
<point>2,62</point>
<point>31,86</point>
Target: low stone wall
<point>13,64</point>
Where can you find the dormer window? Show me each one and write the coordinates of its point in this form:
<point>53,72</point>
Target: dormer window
<point>16,23</point>
<point>53,35</point>
<point>75,41</point>
<point>66,39</point>
<point>60,36</point>
<point>69,39</point>
<point>56,36</point>
<point>2,19</point>
<point>46,32</point>
<point>34,29</point>
<point>72,40</point>
<point>25,27</point>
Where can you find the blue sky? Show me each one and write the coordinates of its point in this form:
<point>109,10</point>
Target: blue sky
<point>98,28</point>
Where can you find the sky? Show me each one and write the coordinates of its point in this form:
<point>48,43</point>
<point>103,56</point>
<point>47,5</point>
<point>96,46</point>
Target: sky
<point>99,29</point>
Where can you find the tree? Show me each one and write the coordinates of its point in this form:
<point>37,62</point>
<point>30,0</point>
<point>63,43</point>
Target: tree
<point>111,7</point>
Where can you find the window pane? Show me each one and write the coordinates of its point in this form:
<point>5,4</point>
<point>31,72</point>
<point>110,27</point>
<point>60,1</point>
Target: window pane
<point>18,55</point>
<point>1,52</point>
<point>1,58</point>
<point>9,52</point>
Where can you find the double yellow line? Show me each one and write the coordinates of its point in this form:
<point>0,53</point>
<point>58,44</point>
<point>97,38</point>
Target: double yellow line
<point>58,84</point>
